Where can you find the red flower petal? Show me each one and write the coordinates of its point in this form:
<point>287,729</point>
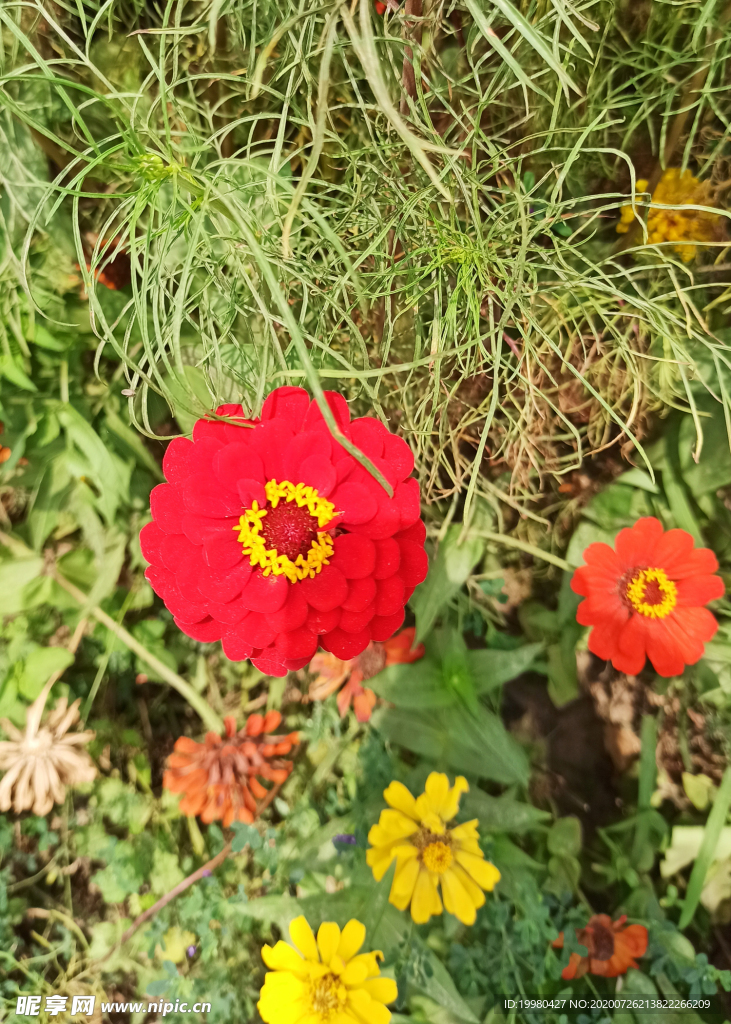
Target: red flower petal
<point>356,503</point>
<point>369,434</point>
<point>265,594</point>
<point>406,498</point>
<point>205,632</point>
<point>235,647</point>
<point>237,462</point>
<point>270,440</point>
<point>416,533</point>
<point>151,537</point>
<point>384,626</point>
<point>699,590</point>
<point>670,649</point>
<point>270,662</point>
<point>223,585</point>
<point>205,496</point>
<point>165,505</point>
<point>179,460</point>
<point>390,597</point>
<point>318,471</point>
<point>414,563</point>
<point>299,643</point>
<point>388,558</point>
<point>161,580</point>
<point>229,613</point>
<point>196,527</point>
<point>398,455</point>
<point>323,622</point>
<point>222,550</point>
<point>287,403</point>
<point>250,491</point>
<point>354,556</point>
<point>176,550</point>
<point>636,545</point>
<point>293,612</point>
<point>361,593</point>
<point>356,622</point>
<point>256,630</point>
<point>327,590</point>
<point>301,447</point>
<point>345,645</point>
<point>339,407</point>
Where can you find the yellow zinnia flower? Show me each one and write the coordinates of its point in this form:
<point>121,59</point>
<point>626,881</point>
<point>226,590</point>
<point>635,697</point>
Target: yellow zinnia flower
<point>684,226</point>
<point>414,832</point>
<point>324,981</point>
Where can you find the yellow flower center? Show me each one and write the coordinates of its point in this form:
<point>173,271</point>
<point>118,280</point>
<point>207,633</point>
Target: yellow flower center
<point>327,995</point>
<point>651,593</point>
<point>437,857</point>
<point>286,538</point>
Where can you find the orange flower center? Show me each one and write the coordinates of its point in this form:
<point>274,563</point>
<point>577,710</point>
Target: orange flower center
<point>437,857</point>
<point>650,593</point>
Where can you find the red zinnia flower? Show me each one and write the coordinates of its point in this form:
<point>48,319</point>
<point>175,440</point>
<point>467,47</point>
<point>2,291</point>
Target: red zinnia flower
<point>331,672</point>
<point>270,537</point>
<point>219,776</point>
<point>611,947</point>
<point>646,597</point>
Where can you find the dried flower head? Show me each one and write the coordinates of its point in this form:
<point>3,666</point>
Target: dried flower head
<point>40,762</point>
<point>331,672</point>
<point>611,948</point>
<point>220,777</point>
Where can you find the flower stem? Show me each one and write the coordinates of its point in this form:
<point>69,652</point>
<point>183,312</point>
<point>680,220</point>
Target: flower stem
<point>209,717</point>
<point>521,545</point>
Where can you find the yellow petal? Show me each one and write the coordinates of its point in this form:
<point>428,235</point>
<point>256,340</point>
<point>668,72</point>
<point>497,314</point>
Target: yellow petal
<point>303,938</point>
<point>398,796</point>
<point>366,1009</point>
<point>451,805</point>
<point>403,884</point>
<point>456,899</point>
<point>384,990</point>
<point>474,892</point>
<point>484,873</point>
<point>379,862</point>
<point>467,830</point>
<point>437,792</point>
<point>283,958</point>
<point>371,962</point>
<point>394,823</point>
<point>425,898</point>
<point>355,974</point>
<point>351,939</point>
<point>328,940</point>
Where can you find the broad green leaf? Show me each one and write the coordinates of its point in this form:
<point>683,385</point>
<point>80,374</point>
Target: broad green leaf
<point>165,873</point>
<point>15,374</point>
<point>112,475</point>
<point>477,744</point>
<point>449,569</point>
<point>133,441</point>
<point>503,813</point>
<point>492,668</point>
<point>564,837</point>
<point>15,575</point>
<point>563,681</point>
<point>420,685</point>
<point>39,666</point>
<point>708,850</point>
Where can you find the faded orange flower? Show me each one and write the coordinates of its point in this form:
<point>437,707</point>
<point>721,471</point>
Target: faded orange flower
<point>331,672</point>
<point>220,777</point>
<point>611,947</point>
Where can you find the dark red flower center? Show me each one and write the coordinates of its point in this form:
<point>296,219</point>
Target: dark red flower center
<point>598,939</point>
<point>290,529</point>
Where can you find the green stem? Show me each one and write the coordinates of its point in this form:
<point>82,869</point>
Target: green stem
<point>521,545</point>
<point>209,717</point>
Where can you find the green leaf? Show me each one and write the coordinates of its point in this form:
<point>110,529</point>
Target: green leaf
<point>477,744</point>
<point>563,681</point>
<point>707,852</point>
<point>420,685</point>
<point>491,668</point>
<point>112,475</point>
<point>438,985</point>
<point>165,873</point>
<point>16,374</point>
<point>503,813</point>
<point>39,667</point>
<point>15,575</point>
<point>564,837</point>
<point>449,570</point>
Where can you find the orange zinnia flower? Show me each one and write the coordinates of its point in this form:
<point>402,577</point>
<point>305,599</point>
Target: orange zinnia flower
<point>220,777</point>
<point>332,672</point>
<point>611,947</point>
<point>645,598</point>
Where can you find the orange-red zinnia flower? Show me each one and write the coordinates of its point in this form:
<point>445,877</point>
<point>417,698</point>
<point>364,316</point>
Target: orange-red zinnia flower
<point>220,777</point>
<point>611,947</point>
<point>331,672</point>
<point>645,598</point>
